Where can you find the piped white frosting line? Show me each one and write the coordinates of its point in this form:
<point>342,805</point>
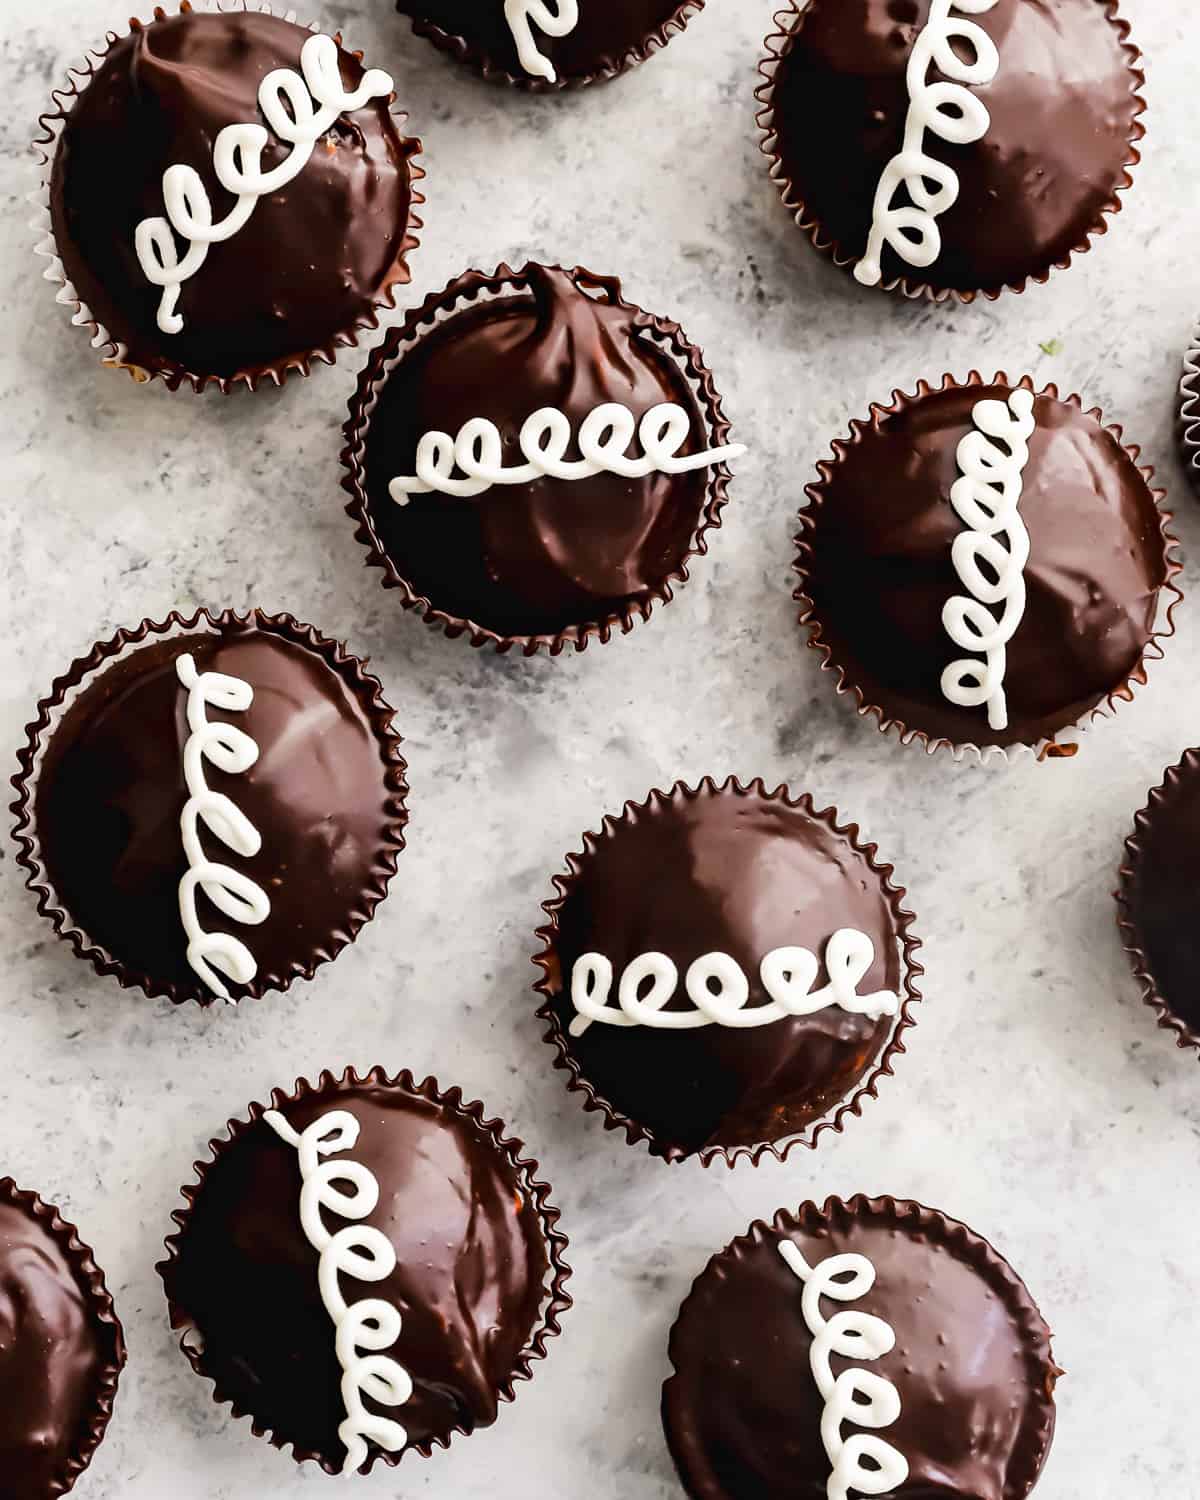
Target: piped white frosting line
<point>233,751</point>
<point>861,1397</point>
<point>987,497</point>
<point>787,975</point>
<point>951,111</point>
<point>299,108</point>
<point>364,1329</point>
<point>471,463</point>
<point>556,18</point>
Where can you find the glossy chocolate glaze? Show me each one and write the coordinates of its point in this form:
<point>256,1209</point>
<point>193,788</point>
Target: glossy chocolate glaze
<point>880,570</point>
<point>1032,189</point>
<point>715,871</point>
<point>468,1282</point>
<point>971,1362</point>
<point>111,789</point>
<point>607,31</point>
<point>52,1354</point>
<point>535,558</point>
<point>311,261</point>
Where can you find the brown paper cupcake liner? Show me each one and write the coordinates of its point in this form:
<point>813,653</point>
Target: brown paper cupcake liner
<point>1189,411</point>
<point>555,1299</point>
<point>1157,804</point>
<point>551,983</point>
<point>1064,742</point>
<point>470,288</point>
<point>111,1336</point>
<point>965,1245</point>
<point>477,59</point>
<point>779,44</point>
<point>366,689</point>
<point>114,352</point>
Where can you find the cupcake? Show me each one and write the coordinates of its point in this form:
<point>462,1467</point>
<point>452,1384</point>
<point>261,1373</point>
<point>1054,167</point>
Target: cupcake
<point>1015,583</point>
<point>365,1268</point>
<point>1189,412</point>
<point>1158,900</point>
<point>944,1377</point>
<point>210,807</point>
<point>229,197</point>
<point>533,461</point>
<point>61,1349</point>
<point>951,148</point>
<point>549,44</point>
<point>727,972</point>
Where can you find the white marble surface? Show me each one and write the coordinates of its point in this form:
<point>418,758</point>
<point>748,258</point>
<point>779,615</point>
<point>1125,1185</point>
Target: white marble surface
<point>1038,1101</point>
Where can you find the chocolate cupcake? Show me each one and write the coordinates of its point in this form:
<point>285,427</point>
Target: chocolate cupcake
<point>726,971</point>
<point>228,197</point>
<point>210,807</point>
<point>542,45</point>
<point>951,148</point>
<point>873,1314</point>
<point>533,461</point>
<point>365,1269</point>
<point>61,1349</point>
<point>1014,585</point>
<point>1189,412</point>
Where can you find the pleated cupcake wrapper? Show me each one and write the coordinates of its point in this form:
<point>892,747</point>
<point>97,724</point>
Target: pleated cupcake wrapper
<point>1131,938</point>
<point>478,59</point>
<point>1189,411</point>
<point>555,1300</point>
<point>554,983</point>
<point>114,352</point>
<point>778,45</point>
<point>66,690</point>
<point>110,1335</point>
<point>1065,742</point>
<point>971,1249</point>
<point>474,288</point>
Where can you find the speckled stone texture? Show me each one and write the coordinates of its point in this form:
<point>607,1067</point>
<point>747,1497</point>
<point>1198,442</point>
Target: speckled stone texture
<point>1038,1101</point>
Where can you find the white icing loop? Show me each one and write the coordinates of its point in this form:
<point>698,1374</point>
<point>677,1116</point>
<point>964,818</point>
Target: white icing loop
<point>287,102</point>
<point>950,111</point>
<point>987,498</point>
<point>233,751</point>
<point>860,1396</point>
<point>363,1329</point>
<point>719,990</point>
<point>556,18</point>
<point>605,436</point>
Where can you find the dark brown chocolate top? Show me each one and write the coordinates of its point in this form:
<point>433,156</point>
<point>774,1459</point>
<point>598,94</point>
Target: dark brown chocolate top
<point>469,1279</point>
<point>1062,107</point>
<point>53,1353</point>
<point>524,560</point>
<point>971,1362</point>
<point>111,790</point>
<point>741,874</point>
<point>312,260</point>
<point>877,564</point>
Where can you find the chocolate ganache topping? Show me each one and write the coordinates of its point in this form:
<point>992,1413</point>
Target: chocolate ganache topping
<point>739,873</point>
<point>315,255</point>
<point>1061,113</point>
<point>878,567</point>
<point>468,1281</point>
<point>322,795</point>
<point>534,558</point>
<point>969,1363</point>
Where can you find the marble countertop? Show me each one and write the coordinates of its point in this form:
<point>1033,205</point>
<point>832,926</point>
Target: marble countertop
<point>1037,1101</point>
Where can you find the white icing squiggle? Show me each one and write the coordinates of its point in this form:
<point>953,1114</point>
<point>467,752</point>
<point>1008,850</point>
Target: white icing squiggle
<point>366,1254</point>
<point>554,17</point>
<point>787,975</point>
<point>859,1396</point>
<point>287,101</point>
<point>233,751</point>
<point>604,438</point>
<point>987,497</point>
<point>952,112</point>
